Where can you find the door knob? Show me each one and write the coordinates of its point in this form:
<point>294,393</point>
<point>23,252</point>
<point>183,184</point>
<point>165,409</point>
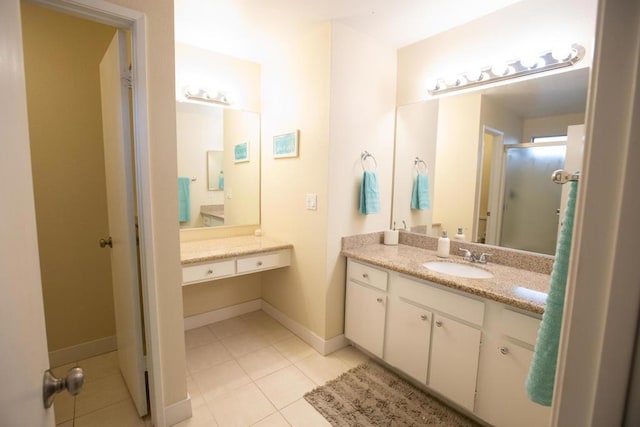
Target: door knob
<point>52,385</point>
<point>104,243</point>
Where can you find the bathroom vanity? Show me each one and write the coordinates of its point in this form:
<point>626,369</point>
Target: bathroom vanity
<point>469,340</point>
<point>207,260</point>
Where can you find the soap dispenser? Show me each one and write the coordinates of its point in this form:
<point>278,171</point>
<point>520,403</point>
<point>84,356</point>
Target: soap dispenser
<point>460,234</point>
<point>443,245</point>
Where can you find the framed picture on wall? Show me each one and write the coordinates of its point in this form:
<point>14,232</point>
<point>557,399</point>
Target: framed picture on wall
<point>285,145</point>
<point>241,152</point>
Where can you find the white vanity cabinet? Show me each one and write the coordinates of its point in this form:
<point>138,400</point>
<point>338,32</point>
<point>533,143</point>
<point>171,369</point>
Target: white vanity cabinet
<point>474,351</point>
<point>502,398</point>
<point>455,349</point>
<point>366,302</point>
<point>408,338</point>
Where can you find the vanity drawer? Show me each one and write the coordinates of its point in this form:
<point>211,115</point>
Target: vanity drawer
<point>209,271</point>
<point>367,275</point>
<point>520,326</point>
<point>263,261</point>
<point>465,308</point>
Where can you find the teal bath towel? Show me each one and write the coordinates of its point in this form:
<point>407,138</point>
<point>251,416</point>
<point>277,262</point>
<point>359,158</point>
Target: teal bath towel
<point>184,202</point>
<point>420,198</point>
<point>542,372</point>
<point>369,194</point>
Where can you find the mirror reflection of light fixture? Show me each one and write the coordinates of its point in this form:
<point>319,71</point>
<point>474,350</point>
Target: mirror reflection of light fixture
<point>561,56</point>
<point>199,94</point>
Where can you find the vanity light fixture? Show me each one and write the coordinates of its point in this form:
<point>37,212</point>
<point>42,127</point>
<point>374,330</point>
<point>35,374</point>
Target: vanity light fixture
<point>561,56</point>
<point>198,94</point>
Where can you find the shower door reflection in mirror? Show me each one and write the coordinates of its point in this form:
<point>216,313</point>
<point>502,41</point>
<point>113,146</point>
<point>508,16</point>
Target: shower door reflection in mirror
<point>531,199</point>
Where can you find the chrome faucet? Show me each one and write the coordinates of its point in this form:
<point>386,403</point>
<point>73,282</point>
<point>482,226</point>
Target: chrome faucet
<point>472,257</point>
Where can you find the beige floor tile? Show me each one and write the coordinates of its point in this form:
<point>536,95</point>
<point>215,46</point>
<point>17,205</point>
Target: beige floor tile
<point>241,407</point>
<point>351,356</point>
<point>65,424</point>
<point>200,415</point>
<point>199,336</point>
<point>262,362</point>
<point>294,348</point>
<point>257,317</point>
<point>229,327</point>
<point>273,420</point>
<point>192,387</point>
<point>221,379</point>
<point>101,393</point>
<point>285,386</point>
<point>206,356</point>
<point>273,332</point>
<point>302,414</point>
<point>63,406</point>
<point>61,371</point>
<point>241,344</point>
<point>320,368</point>
<point>100,366</point>
<point>121,414</point>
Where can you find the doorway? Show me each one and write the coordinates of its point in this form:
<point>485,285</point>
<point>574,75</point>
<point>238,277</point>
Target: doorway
<point>62,58</point>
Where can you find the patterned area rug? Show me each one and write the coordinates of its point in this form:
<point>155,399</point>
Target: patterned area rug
<point>370,395</point>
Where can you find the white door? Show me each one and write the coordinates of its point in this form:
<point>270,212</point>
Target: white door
<point>121,209</point>
<point>23,342</point>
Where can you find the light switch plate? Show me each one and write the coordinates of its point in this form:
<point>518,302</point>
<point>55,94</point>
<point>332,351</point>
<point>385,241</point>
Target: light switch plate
<point>312,201</point>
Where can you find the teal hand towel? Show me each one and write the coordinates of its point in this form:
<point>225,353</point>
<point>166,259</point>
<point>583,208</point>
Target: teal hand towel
<point>542,372</point>
<point>221,182</point>
<point>184,202</point>
<point>369,194</point>
<point>420,197</point>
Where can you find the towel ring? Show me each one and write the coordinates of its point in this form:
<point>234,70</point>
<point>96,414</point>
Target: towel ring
<point>419,162</point>
<point>366,155</point>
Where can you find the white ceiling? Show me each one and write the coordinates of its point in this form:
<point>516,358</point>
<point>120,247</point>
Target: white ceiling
<point>248,28</point>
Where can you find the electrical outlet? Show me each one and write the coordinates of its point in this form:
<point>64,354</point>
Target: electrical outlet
<point>312,201</point>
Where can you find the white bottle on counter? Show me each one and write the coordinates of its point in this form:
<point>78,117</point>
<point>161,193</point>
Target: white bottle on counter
<point>460,234</point>
<point>443,245</point>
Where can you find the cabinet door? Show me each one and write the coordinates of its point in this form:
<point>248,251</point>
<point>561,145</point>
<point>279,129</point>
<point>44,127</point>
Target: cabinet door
<point>365,316</point>
<point>455,349</point>
<point>502,398</point>
<point>408,338</point>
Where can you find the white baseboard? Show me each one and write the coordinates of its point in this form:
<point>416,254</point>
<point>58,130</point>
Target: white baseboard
<point>321,345</point>
<point>82,351</point>
<point>225,313</point>
<point>177,412</point>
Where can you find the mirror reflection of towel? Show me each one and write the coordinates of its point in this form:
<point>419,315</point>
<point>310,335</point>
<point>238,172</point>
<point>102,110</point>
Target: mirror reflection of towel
<point>420,197</point>
<point>369,194</point>
<point>184,201</point>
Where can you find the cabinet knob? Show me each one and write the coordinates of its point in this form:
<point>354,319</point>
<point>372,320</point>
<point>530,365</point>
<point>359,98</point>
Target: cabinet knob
<point>379,300</point>
<point>259,263</point>
<point>209,271</point>
<point>424,317</point>
<point>504,350</point>
<point>365,276</point>
<point>439,323</point>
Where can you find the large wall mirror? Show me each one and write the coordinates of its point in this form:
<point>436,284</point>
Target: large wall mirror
<point>488,161</point>
<point>219,162</point>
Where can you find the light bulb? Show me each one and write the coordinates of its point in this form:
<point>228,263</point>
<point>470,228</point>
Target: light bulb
<point>431,85</point>
<point>475,75</point>
<point>562,52</point>
<point>500,69</point>
<point>532,62</point>
<point>452,80</point>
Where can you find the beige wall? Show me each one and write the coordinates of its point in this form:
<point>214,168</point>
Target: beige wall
<point>62,55</point>
<point>296,89</point>
<point>549,126</point>
<point>208,296</point>
<point>322,85</point>
<point>457,162</point>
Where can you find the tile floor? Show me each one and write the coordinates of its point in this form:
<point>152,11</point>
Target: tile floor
<point>252,371</point>
<point>104,400</point>
<point>244,371</point>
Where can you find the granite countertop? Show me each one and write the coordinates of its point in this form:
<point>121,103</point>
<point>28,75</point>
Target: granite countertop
<point>512,286</point>
<point>228,247</point>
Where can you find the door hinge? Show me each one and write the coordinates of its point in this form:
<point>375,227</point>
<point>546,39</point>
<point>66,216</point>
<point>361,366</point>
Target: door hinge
<point>127,78</point>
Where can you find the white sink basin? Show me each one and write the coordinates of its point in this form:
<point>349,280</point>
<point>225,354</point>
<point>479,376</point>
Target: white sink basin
<point>459,270</point>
